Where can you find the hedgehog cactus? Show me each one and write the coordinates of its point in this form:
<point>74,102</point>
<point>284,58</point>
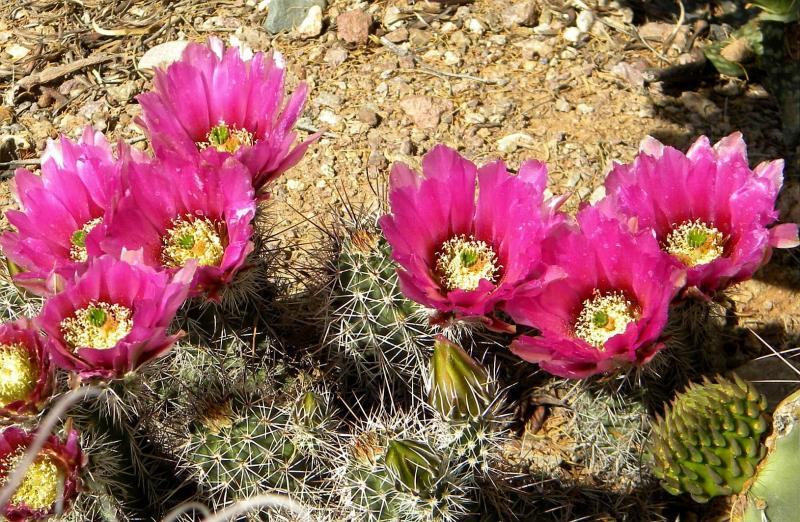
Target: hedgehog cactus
<point>709,441</point>
<point>396,472</point>
<point>375,328</point>
<point>241,448</point>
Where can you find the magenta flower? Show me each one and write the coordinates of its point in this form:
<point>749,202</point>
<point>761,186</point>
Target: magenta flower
<point>182,209</point>
<point>62,219</point>
<point>114,317</point>
<point>461,254</point>
<point>706,208</point>
<point>52,481</point>
<point>609,310</point>
<point>26,380</point>
<point>213,102</point>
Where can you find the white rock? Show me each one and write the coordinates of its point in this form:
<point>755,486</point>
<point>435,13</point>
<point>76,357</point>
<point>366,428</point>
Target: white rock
<point>311,25</point>
<point>474,117</point>
<point>392,18</point>
<point>585,21</point>
<point>17,52</point>
<point>449,27</point>
<point>451,58</point>
<point>597,194</point>
<point>514,141</point>
<point>329,118</point>
<point>294,184</point>
<point>162,55</point>
<point>584,109</point>
<point>572,34</point>
<point>475,26</point>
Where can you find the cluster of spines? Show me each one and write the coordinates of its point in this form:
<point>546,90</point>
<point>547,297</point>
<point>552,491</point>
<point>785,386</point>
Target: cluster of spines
<point>374,328</point>
<point>241,447</point>
<point>708,442</point>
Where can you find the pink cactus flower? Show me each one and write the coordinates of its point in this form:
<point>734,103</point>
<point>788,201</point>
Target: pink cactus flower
<point>182,209</point>
<point>467,239</point>
<point>114,317</point>
<point>214,102</point>
<point>63,211</point>
<point>52,481</point>
<point>26,380</point>
<point>706,208</point>
<point>609,310</point>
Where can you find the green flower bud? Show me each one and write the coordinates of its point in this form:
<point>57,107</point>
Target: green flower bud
<point>413,464</point>
<point>459,386</point>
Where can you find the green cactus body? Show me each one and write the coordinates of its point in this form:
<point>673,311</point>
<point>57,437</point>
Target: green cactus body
<point>771,496</point>
<point>240,449</point>
<point>709,441</point>
<point>395,479</point>
<point>375,327</point>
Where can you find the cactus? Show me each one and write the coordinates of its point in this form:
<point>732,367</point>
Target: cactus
<point>15,302</point>
<point>394,472</point>
<point>374,327</point>
<point>709,441</point>
<point>772,493</point>
<point>241,447</point>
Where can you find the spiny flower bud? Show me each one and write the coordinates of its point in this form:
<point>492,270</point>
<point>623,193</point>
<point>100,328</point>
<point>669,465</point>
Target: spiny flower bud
<point>414,465</point>
<point>459,386</point>
<point>709,441</point>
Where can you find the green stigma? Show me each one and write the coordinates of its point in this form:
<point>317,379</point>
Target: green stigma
<point>219,135</point>
<point>97,317</point>
<point>185,241</point>
<point>600,319</point>
<point>696,238</point>
<point>469,258</point>
<point>79,238</point>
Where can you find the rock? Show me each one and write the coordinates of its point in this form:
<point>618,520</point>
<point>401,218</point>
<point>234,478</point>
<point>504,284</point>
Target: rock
<point>285,15</point>
<point>661,32</point>
<point>335,56</point>
<point>573,34</point>
<point>368,116</point>
<point>327,99</point>
<point>425,111</point>
<point>17,52</point>
<point>353,26</point>
<point>515,141</point>
<point>451,58</point>
<point>520,13</point>
<point>701,105</point>
<point>448,27</point>
<point>392,18</point>
<point>311,26</point>
<point>585,21</point>
<point>6,115</point>
<point>419,37</point>
<point>397,36</point>
<point>584,109</point>
<point>162,55</point>
<point>474,26</point>
<point>533,48</point>
<point>563,105</point>
<point>329,118</point>
<point>632,74</point>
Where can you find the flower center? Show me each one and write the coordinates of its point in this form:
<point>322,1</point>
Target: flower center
<point>18,373</point>
<point>462,262</point>
<point>77,249</point>
<point>227,139</point>
<point>604,316</point>
<point>100,325</point>
<point>695,243</point>
<point>192,238</point>
<point>42,485</point>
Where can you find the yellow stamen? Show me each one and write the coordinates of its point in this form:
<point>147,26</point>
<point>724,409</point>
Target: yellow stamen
<point>462,262</point>
<point>695,243</point>
<point>603,317</point>
<point>42,485</point>
<point>77,249</point>
<point>18,373</point>
<point>227,139</point>
<point>99,325</point>
<point>192,238</point>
